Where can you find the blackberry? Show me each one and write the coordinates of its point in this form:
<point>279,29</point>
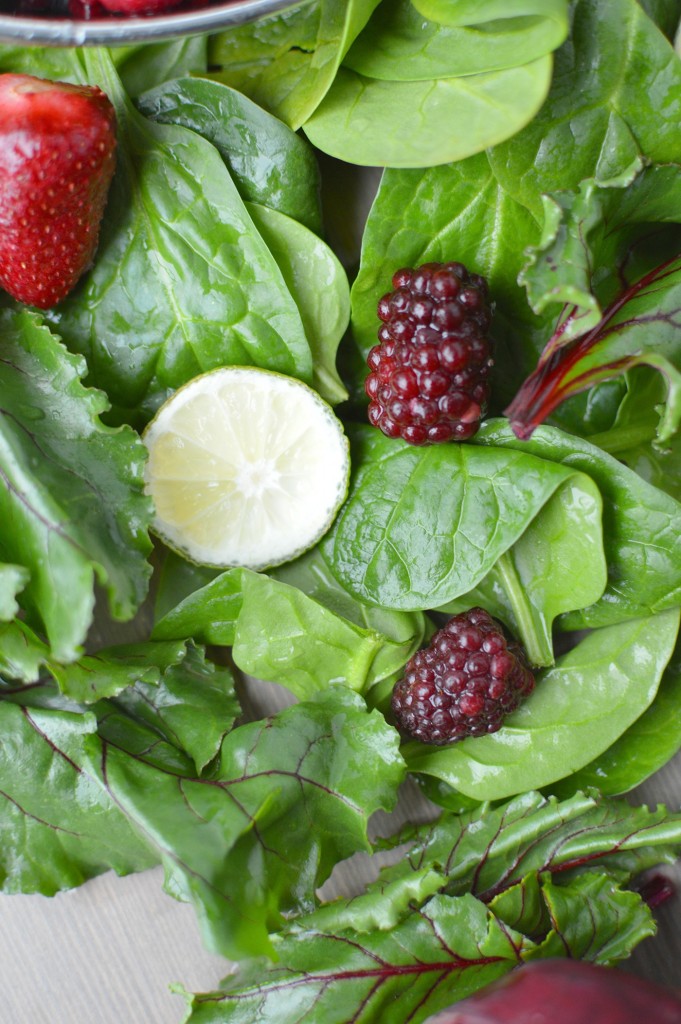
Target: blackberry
<point>464,683</point>
<point>429,374</point>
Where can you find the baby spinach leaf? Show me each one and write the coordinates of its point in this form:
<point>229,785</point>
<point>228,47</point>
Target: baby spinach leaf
<point>208,614</point>
<point>645,747</point>
<point>238,843</point>
<point>556,566</point>
<point>183,282</point>
<point>374,122</point>
<point>601,115</point>
<point>640,528</point>
<point>72,489</point>
<point>270,164</point>
<point>58,827</point>
<point>399,44</point>
<point>422,526</point>
<point>445,952</point>
<point>319,286</point>
<point>144,65</point>
<point>287,62</point>
<point>578,709</point>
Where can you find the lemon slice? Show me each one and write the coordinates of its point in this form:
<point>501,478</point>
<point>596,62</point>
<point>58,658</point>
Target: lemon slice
<point>246,468</point>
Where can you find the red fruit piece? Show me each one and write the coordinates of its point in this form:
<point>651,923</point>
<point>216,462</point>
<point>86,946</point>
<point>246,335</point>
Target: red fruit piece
<point>137,8</point>
<point>567,992</point>
<point>57,158</point>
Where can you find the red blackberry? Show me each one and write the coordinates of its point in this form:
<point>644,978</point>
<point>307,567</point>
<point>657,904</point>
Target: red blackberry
<point>464,683</point>
<point>429,379</point>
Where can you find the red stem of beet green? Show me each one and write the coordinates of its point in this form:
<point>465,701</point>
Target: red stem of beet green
<point>545,388</point>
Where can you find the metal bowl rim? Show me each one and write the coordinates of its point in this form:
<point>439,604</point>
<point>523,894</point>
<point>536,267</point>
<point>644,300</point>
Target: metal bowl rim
<point>112,31</point>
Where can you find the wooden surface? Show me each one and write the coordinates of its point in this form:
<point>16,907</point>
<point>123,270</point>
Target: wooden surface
<point>108,952</point>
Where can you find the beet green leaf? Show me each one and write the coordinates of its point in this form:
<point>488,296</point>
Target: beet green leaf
<point>237,842</point>
<point>58,827</point>
<point>72,491</point>
<point>443,952</point>
<point>491,850</point>
<point>618,294</point>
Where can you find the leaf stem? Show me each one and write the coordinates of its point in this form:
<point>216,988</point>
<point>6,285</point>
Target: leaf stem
<point>539,651</point>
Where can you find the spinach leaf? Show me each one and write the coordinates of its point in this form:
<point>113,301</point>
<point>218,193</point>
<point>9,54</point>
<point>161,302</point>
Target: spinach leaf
<point>13,579</point>
<point>556,566</point>
<point>578,709</point>
<point>144,65</point>
<point>237,843</point>
<point>183,282</point>
<point>319,286</point>
<point>72,490</point>
<point>270,164</point>
<point>423,526</point>
<point>640,527</point>
<point>603,112</point>
<point>287,62</point>
<point>645,747</point>
<point>374,122</point>
<point>399,44</point>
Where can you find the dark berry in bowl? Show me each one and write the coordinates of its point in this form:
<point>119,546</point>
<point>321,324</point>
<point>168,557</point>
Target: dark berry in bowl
<point>429,376</point>
<point>464,683</point>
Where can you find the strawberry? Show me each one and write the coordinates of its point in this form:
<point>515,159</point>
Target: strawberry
<point>57,158</point>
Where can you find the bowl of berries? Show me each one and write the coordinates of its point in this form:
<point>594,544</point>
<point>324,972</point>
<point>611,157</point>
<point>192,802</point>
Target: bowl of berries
<point>112,22</point>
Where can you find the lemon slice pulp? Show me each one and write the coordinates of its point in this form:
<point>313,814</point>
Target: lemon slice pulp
<point>246,467</point>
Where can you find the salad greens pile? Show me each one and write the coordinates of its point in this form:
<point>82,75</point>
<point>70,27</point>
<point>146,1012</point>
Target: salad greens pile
<point>537,143</point>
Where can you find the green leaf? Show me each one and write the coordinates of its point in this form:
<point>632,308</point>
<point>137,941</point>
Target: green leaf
<point>490,851</point>
<point>373,122</point>
<point>238,843</point>
<point>22,653</point>
<point>602,262</point>
<point>444,953</point>
<point>319,285</point>
<point>645,747</point>
<point>306,646</point>
<point>422,526</point>
<point>287,62</point>
<point>594,919</point>
<point>183,282</point>
<point>556,566</point>
<point>72,489</point>
<point>640,527</point>
<point>192,705</point>
<point>603,113</point>
<point>578,709</point>
<point>58,827</point>
<point>13,579</point>
<point>270,164</point>
<point>398,44</point>
<point>208,614</point>
<point>144,65</point>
